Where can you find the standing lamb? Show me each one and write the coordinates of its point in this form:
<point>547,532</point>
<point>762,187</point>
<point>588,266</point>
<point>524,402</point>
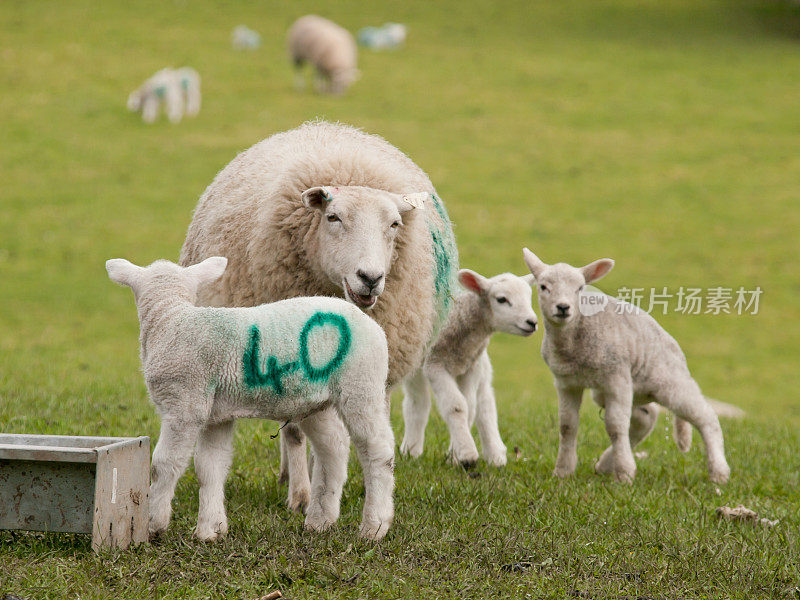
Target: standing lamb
<point>177,89</point>
<point>309,359</point>
<point>629,362</point>
<point>327,210</point>
<point>459,370</point>
<point>329,48</point>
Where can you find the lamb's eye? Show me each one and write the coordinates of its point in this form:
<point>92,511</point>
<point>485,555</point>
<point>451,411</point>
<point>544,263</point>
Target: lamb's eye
<point>333,218</point>
<point>543,287</point>
<point>580,289</point>
<point>502,299</point>
<point>396,224</point>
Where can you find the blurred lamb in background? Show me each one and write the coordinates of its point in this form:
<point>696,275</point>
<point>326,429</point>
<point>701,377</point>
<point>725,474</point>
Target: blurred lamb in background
<point>389,35</point>
<point>177,89</point>
<point>244,38</point>
<point>329,48</point>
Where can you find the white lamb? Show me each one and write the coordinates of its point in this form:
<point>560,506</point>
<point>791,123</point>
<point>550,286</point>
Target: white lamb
<point>329,48</point>
<point>628,361</point>
<point>459,371</point>
<point>309,360</point>
<point>177,89</point>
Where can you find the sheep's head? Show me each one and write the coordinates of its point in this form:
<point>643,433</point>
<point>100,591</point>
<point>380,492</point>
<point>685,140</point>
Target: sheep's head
<point>165,275</point>
<point>560,285</point>
<point>509,299</point>
<point>356,237</point>
<point>343,79</point>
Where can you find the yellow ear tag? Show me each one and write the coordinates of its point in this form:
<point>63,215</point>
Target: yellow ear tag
<point>416,200</point>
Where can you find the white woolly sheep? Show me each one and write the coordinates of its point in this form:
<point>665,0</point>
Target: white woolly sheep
<point>459,371</point>
<point>375,242</point>
<point>628,361</point>
<point>304,359</point>
<point>177,89</point>
<point>329,48</point>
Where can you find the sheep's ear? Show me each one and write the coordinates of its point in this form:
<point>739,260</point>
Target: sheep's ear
<point>534,263</point>
<point>210,269</point>
<point>407,202</point>
<point>472,281</point>
<point>317,197</point>
<point>529,279</point>
<point>597,270</point>
<point>122,271</point>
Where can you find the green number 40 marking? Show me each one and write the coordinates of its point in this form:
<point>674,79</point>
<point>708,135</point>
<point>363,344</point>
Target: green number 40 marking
<point>251,361</point>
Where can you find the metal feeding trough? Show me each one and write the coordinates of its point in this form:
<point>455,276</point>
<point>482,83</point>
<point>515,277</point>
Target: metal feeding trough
<point>97,485</point>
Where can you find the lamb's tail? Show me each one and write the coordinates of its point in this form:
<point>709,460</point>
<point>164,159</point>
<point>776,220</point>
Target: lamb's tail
<point>725,410</point>
<point>682,430</point>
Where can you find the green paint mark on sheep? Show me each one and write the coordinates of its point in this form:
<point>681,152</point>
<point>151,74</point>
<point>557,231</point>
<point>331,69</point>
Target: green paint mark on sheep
<point>445,257</point>
<point>160,91</point>
<point>272,376</point>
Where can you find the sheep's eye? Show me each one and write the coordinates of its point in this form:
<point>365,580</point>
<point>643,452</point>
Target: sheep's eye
<point>580,289</point>
<point>396,224</point>
<point>502,299</point>
<point>543,287</point>
<point>333,218</point>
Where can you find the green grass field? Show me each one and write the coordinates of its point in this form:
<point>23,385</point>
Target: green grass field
<point>664,134</point>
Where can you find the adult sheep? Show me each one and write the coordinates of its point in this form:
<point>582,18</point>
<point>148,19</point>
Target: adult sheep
<point>328,210</point>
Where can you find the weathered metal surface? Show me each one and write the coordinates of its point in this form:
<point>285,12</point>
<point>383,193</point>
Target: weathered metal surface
<point>122,494</point>
<point>76,484</point>
<point>46,496</point>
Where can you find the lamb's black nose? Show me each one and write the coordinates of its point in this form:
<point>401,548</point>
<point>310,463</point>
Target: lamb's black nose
<point>563,308</point>
<point>369,279</point>
<point>531,323</point>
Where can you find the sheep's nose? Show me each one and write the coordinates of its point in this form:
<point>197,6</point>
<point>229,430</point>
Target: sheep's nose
<point>563,308</point>
<point>531,323</point>
<point>369,279</point>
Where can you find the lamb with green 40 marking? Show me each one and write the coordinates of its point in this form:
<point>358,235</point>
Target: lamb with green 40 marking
<point>306,360</point>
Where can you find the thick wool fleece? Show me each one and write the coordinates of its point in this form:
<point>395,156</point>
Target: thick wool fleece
<point>253,215</point>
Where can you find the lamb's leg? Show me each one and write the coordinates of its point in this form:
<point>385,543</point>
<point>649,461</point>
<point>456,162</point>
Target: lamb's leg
<point>193,99</point>
<point>170,458</point>
<point>367,419</point>
<point>150,108</point>
<point>643,421</point>
<point>295,467</point>
<point>174,103</point>
<point>330,447</point>
<point>212,459</point>
<point>492,446</point>
<point>569,405</point>
<point>416,411</point>
<point>453,408</point>
<point>684,398</point>
<point>619,406</point>
<point>299,76</point>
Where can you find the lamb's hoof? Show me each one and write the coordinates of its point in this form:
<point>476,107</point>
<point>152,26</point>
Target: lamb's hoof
<point>563,473</point>
<point>720,475</point>
<point>298,501</point>
<point>412,450</point>
<point>374,531</point>
<point>499,460</point>
<point>624,477</point>
<point>466,459</point>
<point>317,524</point>
<point>208,534</point>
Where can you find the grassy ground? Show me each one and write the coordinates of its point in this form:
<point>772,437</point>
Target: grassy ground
<point>662,133</point>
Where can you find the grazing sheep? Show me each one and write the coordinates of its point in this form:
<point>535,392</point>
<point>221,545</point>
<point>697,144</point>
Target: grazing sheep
<point>327,210</point>
<point>629,362</point>
<point>244,38</point>
<point>309,359</point>
<point>329,48</point>
<point>177,89</point>
<point>459,371</point>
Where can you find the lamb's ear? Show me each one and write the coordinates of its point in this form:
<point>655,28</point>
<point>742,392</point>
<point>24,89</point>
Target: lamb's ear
<point>472,281</point>
<point>122,271</point>
<point>597,270</point>
<point>407,202</point>
<point>316,197</point>
<point>534,263</point>
<point>210,269</point>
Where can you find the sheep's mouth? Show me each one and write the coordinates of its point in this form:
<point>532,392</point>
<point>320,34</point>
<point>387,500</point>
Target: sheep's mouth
<point>360,300</point>
<point>526,331</point>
